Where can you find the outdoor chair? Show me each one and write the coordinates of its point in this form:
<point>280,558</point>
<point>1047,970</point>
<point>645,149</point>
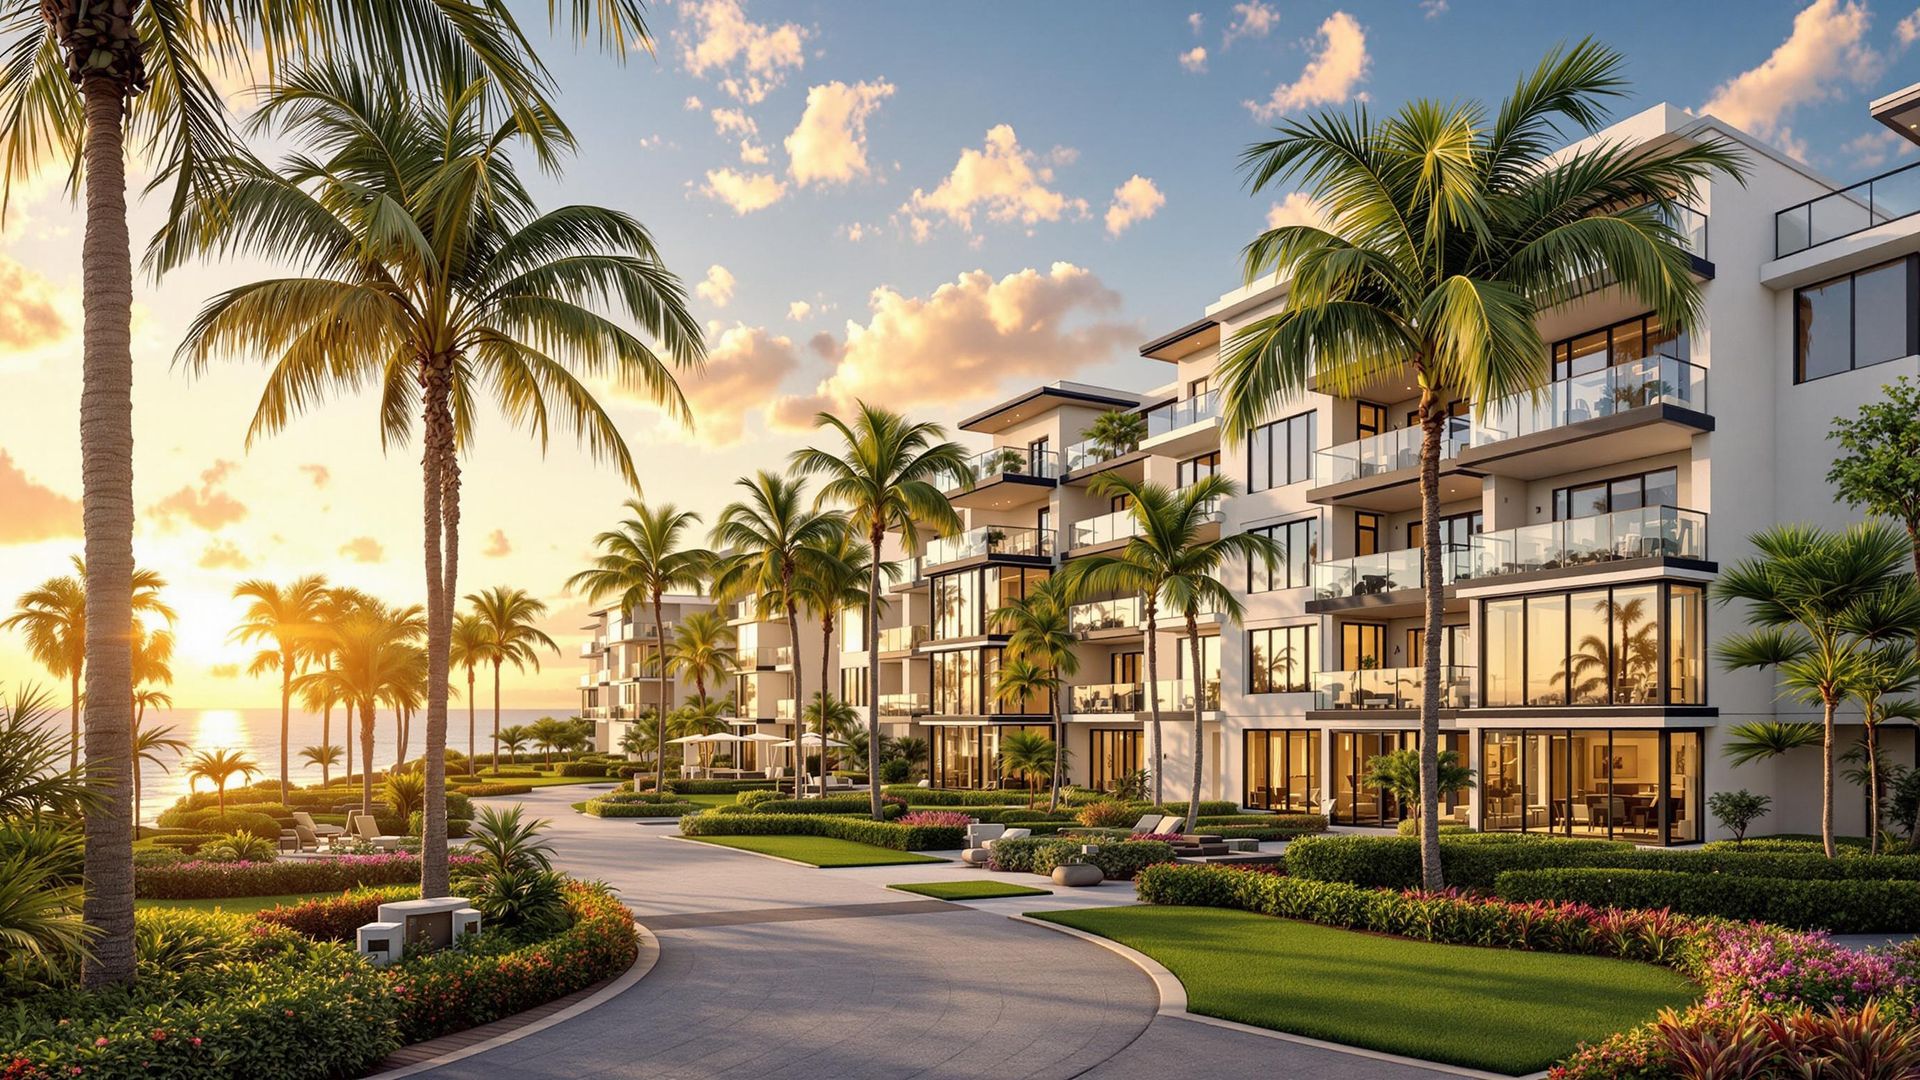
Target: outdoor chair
<point>302,819</point>
<point>367,830</point>
<point>1147,823</point>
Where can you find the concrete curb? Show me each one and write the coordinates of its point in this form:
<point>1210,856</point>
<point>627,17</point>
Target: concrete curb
<point>1173,1003</point>
<point>649,955</point>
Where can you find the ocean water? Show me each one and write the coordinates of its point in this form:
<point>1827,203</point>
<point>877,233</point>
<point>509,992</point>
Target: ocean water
<point>256,733</point>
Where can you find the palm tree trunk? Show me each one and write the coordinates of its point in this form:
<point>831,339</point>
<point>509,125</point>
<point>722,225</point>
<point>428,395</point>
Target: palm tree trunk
<point>1826,778</point>
<point>366,757</point>
<point>1153,699</point>
<point>326,740</point>
<point>799,755</point>
<point>73,712</point>
<point>106,454</point>
<point>473,761</point>
<point>876,535</point>
<point>443,529</point>
<point>348,740</point>
<point>286,708</point>
<point>1432,422</point>
<point>826,653</point>
<point>1873,793</point>
<point>1199,710</point>
<point>660,717</point>
<point>496,716</point>
<point>1058,711</point>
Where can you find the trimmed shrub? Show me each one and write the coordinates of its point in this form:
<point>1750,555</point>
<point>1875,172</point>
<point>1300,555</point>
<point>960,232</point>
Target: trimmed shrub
<point>1411,827</point>
<point>1018,815</point>
<point>481,791</point>
<point>717,787</point>
<point>831,804</point>
<point>1856,845</point>
<point>1119,861</point>
<point>1470,860</point>
<point>1282,825</point>
<point>755,798</point>
<point>186,843</point>
<point>1847,906</point>
<point>919,796</point>
<point>886,834</point>
<point>212,821</point>
<point>584,768</point>
<point>200,880</point>
<point>1108,814</point>
<point>937,817</point>
<point>335,918</point>
<point>1208,808</point>
<point>609,808</point>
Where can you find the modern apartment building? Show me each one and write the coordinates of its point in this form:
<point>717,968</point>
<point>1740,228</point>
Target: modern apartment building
<point>1582,529</point>
<point>624,678</point>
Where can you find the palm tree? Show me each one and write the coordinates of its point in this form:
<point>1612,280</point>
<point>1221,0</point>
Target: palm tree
<point>1758,740</point>
<point>1820,603</point>
<point>1040,637</point>
<point>219,767</point>
<point>471,646</point>
<point>1445,237</point>
<point>1890,670</point>
<point>703,648</point>
<point>73,94</point>
<point>888,477</point>
<point>832,582</point>
<point>147,746</point>
<point>641,561</point>
<point>1166,562</point>
<point>326,756</point>
<point>548,734</point>
<point>701,716</point>
<point>1398,774</point>
<point>374,650</point>
<point>509,614</point>
<point>829,718</point>
<point>319,696</point>
<point>495,299</point>
<point>1116,432</point>
<point>152,668</point>
<point>514,738</point>
<point>53,618</point>
<point>287,618</point>
<point>1028,753</point>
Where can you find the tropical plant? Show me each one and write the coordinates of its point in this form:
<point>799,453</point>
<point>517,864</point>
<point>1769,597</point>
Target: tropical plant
<point>40,929</point>
<point>829,718</point>
<point>241,846</point>
<point>33,780</point>
<point>641,560</point>
<point>219,767</point>
<point>148,746</point>
<point>639,740</point>
<point>374,657</point>
<point>533,902</point>
<point>285,618</point>
<point>1398,774</point>
<point>769,537</point>
<point>703,649</point>
<point>887,477</point>
<point>515,738</point>
<point>509,614</point>
<point>1903,804</point>
<point>1889,670</point>
<point>1116,432</point>
<point>1758,740</point>
<point>1736,811</point>
<point>548,734</point>
<point>832,582</point>
<point>1444,234</point>
<point>1167,563</point>
<point>507,839</point>
<point>403,792</point>
<point>470,647</point>
<point>1029,754</point>
<point>1041,652</point>
<point>1878,468</point>
<point>1820,604</point>
<point>151,663</point>
<point>325,757</point>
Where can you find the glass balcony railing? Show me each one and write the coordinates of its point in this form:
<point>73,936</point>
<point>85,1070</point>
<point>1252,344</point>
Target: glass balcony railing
<point>1177,694</point>
<point>1089,452</point>
<point>1390,688</point>
<point>783,709</point>
<point>1012,461</point>
<point>1117,614</point>
<point>1178,414</point>
<point>1644,533</point>
<point>1110,698</point>
<point>902,638</point>
<point>1118,525</point>
<point>904,705</point>
<point>990,540</point>
<point>1385,571</point>
<point>1654,380</point>
<point>765,656</point>
<point>1888,197</point>
<point>1386,452</point>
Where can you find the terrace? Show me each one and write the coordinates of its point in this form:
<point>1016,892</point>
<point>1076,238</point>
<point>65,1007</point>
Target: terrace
<point>1013,540</point>
<point>1875,201</point>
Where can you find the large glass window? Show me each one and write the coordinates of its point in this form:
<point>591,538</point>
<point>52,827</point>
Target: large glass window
<point>964,600</point>
<point>1856,320</point>
<point>1209,667</point>
<point>1609,646</point>
<point>1660,487</point>
<point>1113,755</point>
<point>1456,531</point>
<point>1299,544</point>
<point>1281,660</point>
<point>1637,785</point>
<point>1355,802</point>
<point>1505,623</point>
<point>1686,635</point>
<point>1546,641</point>
<point>1283,770</point>
<point>1622,343</point>
<point>1280,453</point>
<point>1192,469</point>
<point>1363,646</point>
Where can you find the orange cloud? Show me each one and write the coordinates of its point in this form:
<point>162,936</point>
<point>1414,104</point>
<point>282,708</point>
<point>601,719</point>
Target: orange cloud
<point>28,315</point>
<point>363,549</point>
<point>1002,178</point>
<point>1329,78</point>
<point>224,671</point>
<point>224,555</point>
<point>319,474</point>
<point>205,506</point>
<point>744,369</point>
<point>497,544</point>
<point>33,511</point>
<point>1827,45</point>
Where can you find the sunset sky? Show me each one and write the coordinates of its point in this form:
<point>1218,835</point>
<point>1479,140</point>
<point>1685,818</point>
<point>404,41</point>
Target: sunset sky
<point>924,204</point>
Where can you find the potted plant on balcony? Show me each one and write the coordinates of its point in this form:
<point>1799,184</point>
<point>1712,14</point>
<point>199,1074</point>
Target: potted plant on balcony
<point>1005,460</point>
<point>1116,432</point>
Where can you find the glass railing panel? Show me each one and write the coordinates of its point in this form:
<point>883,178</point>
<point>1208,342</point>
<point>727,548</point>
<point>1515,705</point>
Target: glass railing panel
<point>1858,207</point>
<point>1109,698</point>
<point>902,638</point>
<point>1119,525</point>
<point>904,705</point>
<point>1177,695</point>
<point>1390,688</point>
<point>1012,461</point>
<point>1386,571</point>
<point>1179,414</point>
<point>1634,384</point>
<point>1105,615</point>
<point>1647,532</point>
<point>990,540</point>
<point>1386,452</point>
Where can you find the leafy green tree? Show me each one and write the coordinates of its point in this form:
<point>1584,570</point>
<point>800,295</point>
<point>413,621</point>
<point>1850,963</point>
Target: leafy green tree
<point>1878,468</point>
<point>703,650</point>
<point>1736,811</point>
<point>548,734</point>
<point>1820,603</point>
<point>888,476</point>
<point>1029,753</point>
<point>1890,670</point>
<point>1042,654</point>
<point>833,581</point>
<point>471,646</point>
<point>154,746</point>
<point>1446,233</point>
<point>374,657</point>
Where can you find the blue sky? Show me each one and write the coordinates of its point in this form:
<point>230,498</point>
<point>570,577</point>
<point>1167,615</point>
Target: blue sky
<point>954,201</point>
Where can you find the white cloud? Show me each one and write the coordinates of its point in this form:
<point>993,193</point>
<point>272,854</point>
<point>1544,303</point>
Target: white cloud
<point>1433,8</point>
<point>1329,78</point>
<point>745,192</point>
<point>1196,21</point>
<point>1873,149</point>
<point>728,121</point>
<point>1908,29</point>
<point>965,340</point>
<point>1195,59</point>
<point>1250,19</point>
<point>744,368</point>
<point>1298,208</point>
<point>1006,181</point>
<point>798,310</point>
<point>1826,45</point>
<point>1136,200</point>
<point>856,232</point>
<point>693,104</point>
<point>829,145</point>
<point>717,289</point>
<point>750,59</point>
<point>751,153</point>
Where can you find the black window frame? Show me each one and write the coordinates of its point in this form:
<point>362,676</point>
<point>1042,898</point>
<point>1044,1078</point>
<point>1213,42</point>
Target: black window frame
<point>1281,533</point>
<point>1280,432</point>
<point>1912,263</point>
<point>1663,660</point>
<point>1259,676</point>
<point>1565,493</point>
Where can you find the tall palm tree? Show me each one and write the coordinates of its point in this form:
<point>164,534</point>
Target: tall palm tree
<point>470,648</point>
<point>1167,563</point>
<point>1446,234</point>
<point>319,696</point>
<point>286,618</point>
<point>477,295</point>
<point>888,476</point>
<point>703,648</point>
<point>53,618</point>
<point>771,538</point>
<point>147,748</point>
<point>510,614</point>
<point>1820,604</point>
<point>1040,636</point>
<point>832,582</point>
<point>219,767</point>
<point>152,667</point>
<point>326,756</point>
<point>374,649</point>
<point>642,559</point>
<point>82,85</point>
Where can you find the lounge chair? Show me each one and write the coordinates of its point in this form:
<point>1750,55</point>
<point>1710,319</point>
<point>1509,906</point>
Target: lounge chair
<point>367,830</point>
<point>304,819</point>
<point>980,836</point>
<point>1147,823</point>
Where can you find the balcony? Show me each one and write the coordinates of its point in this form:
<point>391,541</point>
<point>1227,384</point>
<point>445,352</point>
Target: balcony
<point>1116,526</point>
<point>1389,688</point>
<point>1646,533</point>
<point>592,648</point>
<point>783,709</point>
<point>1654,380</point>
<point>1384,572</point>
<point>898,639</point>
<point>904,705</point>
<point>764,657</point>
<point>1007,477</point>
<point>1012,540</point>
<point>1387,452</point>
<point>1184,428</point>
<point>1126,698</point>
<point>1120,614</point>
<point>1872,202</point>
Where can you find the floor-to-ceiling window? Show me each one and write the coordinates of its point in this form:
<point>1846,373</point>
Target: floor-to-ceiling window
<point>1623,645</point>
<point>1113,754</point>
<point>1282,770</point>
<point>1355,802</point>
<point>1626,784</point>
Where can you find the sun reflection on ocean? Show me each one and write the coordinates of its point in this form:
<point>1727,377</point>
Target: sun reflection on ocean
<point>220,729</point>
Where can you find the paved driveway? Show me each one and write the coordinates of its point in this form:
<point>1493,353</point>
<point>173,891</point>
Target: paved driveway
<point>779,971</point>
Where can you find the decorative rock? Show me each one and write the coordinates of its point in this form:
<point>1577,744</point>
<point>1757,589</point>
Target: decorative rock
<point>1077,875</point>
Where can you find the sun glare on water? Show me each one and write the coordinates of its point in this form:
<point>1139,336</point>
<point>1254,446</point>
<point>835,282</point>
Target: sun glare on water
<point>220,729</point>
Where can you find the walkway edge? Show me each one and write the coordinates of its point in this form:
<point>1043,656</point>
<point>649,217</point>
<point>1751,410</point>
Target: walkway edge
<point>1173,1003</point>
<point>648,956</point>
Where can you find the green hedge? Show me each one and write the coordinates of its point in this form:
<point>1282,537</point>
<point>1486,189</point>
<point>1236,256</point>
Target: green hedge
<point>919,796</point>
<point>585,768</point>
<point>831,804</point>
<point>480,791</point>
<point>884,834</point>
<point>457,827</point>
<point>1208,808</point>
<point>1282,826</point>
<point>716,787</point>
<point>1019,815</point>
<point>1119,860</point>
<point>212,821</point>
<point>1469,860</point>
<point>609,808</point>
<point>1844,906</point>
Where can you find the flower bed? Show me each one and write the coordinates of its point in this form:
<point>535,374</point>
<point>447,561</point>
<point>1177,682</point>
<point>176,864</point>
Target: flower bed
<point>200,880</point>
<point>1847,906</point>
<point>886,834</point>
<point>335,918</point>
<point>948,818</point>
<point>1119,860</point>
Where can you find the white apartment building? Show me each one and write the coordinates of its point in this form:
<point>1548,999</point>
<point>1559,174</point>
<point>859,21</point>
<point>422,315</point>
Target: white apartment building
<point>1583,529</point>
<point>624,680</point>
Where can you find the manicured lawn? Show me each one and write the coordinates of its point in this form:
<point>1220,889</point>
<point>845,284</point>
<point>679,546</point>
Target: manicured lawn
<point>722,799</point>
<point>819,850</point>
<point>969,890</point>
<point>1496,1009</point>
<point>232,905</point>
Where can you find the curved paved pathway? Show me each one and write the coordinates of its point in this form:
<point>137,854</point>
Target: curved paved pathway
<point>773,970</point>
